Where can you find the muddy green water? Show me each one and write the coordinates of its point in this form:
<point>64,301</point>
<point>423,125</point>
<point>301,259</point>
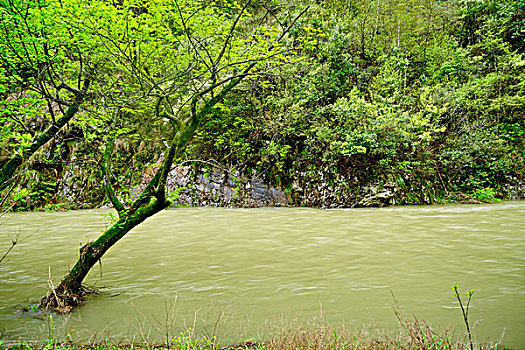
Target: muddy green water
<point>253,267</point>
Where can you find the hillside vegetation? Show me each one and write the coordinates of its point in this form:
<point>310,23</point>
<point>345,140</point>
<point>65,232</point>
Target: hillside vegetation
<point>423,98</point>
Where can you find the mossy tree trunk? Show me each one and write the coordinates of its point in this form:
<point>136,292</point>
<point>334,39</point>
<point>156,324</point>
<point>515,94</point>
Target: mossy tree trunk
<point>220,77</point>
<point>70,291</point>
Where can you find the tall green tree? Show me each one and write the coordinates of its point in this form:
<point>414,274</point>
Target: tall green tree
<point>162,64</point>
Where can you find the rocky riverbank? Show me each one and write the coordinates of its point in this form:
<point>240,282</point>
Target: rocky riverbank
<point>200,186</point>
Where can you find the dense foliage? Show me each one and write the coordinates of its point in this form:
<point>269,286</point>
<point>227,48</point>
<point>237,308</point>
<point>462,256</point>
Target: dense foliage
<point>425,96</point>
<point>136,75</point>
<point>110,86</point>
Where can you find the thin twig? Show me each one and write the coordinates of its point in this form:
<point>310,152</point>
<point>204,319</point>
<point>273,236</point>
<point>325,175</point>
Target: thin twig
<point>50,283</point>
<point>13,243</point>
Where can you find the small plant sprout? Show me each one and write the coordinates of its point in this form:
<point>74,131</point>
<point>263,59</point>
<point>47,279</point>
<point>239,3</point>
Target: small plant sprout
<point>464,310</point>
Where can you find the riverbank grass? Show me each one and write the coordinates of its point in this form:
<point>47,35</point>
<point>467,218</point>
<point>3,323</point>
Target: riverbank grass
<point>291,334</point>
<point>317,334</point>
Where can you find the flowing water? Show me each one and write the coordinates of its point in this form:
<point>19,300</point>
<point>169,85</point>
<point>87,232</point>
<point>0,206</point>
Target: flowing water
<point>238,269</point>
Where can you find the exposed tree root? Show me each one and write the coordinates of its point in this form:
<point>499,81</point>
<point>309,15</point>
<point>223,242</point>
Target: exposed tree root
<point>63,300</point>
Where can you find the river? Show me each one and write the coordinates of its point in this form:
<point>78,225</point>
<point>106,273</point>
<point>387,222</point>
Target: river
<point>251,267</point>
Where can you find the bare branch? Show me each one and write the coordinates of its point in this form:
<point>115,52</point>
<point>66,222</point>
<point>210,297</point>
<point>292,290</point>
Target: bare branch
<point>14,242</point>
<point>227,40</point>
<point>290,26</point>
<point>187,33</point>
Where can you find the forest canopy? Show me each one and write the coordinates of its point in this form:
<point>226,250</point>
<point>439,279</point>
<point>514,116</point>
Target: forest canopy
<point>425,96</point>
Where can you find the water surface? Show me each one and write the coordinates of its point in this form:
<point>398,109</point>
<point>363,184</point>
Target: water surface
<point>248,266</point>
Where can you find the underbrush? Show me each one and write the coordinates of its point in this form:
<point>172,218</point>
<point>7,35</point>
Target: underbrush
<point>316,334</point>
<point>285,334</point>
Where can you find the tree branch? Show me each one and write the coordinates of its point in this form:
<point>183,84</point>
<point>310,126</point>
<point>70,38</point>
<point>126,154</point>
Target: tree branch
<point>9,168</point>
<point>227,40</point>
<point>290,26</point>
<point>110,191</point>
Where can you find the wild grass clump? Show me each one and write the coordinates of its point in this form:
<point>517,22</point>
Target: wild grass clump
<point>413,333</point>
<point>315,335</point>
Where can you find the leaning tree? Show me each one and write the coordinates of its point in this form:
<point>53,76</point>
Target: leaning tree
<point>126,69</point>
